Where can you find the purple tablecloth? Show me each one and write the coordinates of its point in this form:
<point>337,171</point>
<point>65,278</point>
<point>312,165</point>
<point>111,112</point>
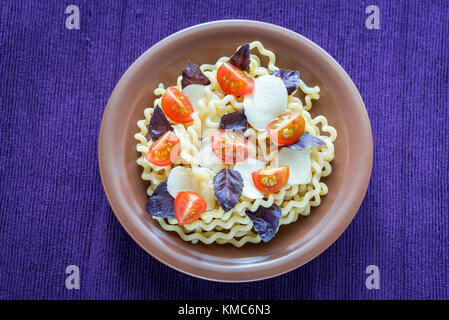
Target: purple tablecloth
<point>54,86</point>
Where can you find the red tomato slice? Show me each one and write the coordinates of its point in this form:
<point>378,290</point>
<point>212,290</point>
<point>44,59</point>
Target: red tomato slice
<point>165,150</point>
<point>189,206</point>
<point>176,106</point>
<point>286,128</point>
<point>234,81</point>
<point>229,146</point>
<point>270,180</point>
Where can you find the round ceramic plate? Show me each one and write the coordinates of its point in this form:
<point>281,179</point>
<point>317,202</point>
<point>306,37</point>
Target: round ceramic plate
<point>294,244</point>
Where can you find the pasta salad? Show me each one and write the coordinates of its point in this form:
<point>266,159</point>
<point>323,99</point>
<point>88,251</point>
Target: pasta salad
<point>231,152</point>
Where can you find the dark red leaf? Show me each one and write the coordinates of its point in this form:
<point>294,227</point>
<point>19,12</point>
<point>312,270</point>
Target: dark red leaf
<point>240,58</point>
<point>290,79</point>
<point>228,186</point>
<point>158,124</point>
<point>306,141</point>
<point>161,202</point>
<point>192,75</point>
<point>233,121</point>
<point>265,221</point>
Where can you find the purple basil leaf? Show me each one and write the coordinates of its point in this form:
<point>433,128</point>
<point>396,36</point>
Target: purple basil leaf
<point>233,121</point>
<point>240,58</point>
<point>306,141</point>
<point>158,124</point>
<point>228,186</point>
<point>161,202</point>
<point>192,75</point>
<point>266,221</point>
<point>290,79</point>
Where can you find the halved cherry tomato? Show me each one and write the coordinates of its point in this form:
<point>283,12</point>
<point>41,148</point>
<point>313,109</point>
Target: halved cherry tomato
<point>286,128</point>
<point>176,106</point>
<point>230,146</point>
<point>165,150</point>
<point>270,180</point>
<point>234,81</point>
<point>189,206</point>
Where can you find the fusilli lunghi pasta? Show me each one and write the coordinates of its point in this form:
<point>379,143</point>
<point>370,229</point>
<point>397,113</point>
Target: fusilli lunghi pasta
<point>234,226</point>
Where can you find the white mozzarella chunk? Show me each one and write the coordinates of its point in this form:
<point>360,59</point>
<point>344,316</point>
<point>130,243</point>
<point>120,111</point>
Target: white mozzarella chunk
<point>194,92</point>
<point>300,165</point>
<point>266,102</point>
<point>246,168</point>
<point>206,157</point>
<point>197,180</point>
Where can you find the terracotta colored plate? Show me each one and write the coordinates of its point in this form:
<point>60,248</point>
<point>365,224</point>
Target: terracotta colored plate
<point>295,244</point>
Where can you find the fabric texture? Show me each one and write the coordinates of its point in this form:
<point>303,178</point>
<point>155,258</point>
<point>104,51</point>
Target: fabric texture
<point>54,86</point>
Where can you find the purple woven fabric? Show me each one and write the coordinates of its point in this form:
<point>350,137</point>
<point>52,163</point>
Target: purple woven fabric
<point>54,85</point>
